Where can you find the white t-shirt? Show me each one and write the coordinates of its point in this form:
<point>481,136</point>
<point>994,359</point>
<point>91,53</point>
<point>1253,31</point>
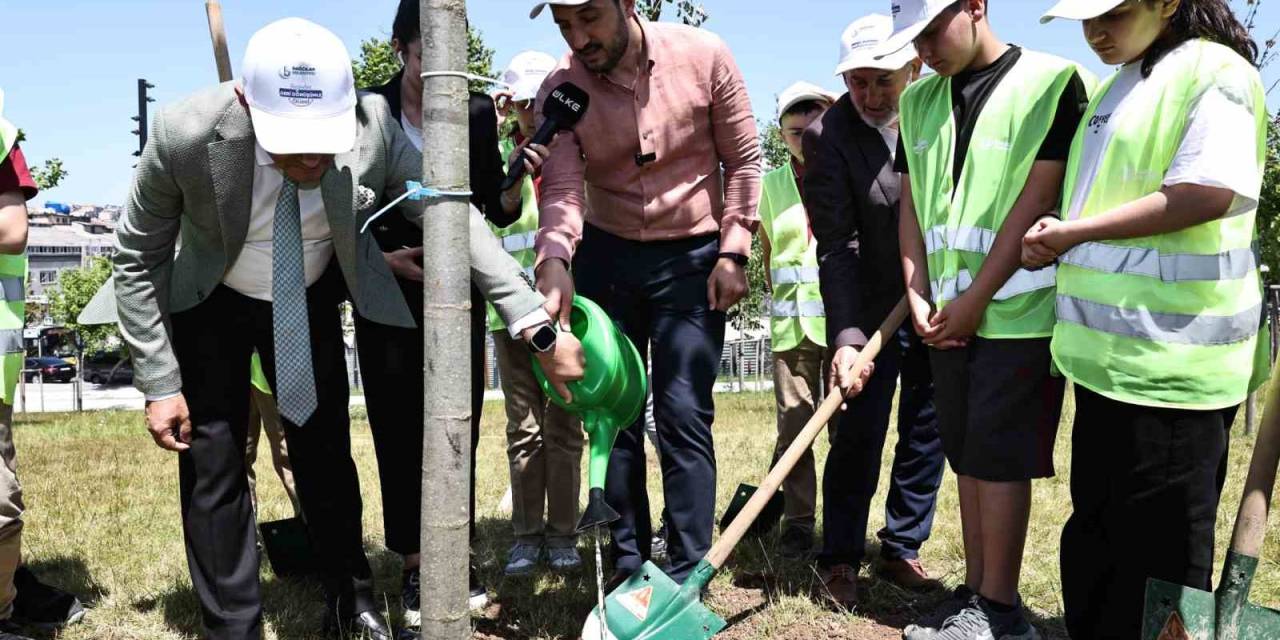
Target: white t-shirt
<point>1217,149</point>
<point>414,133</point>
<point>251,274</point>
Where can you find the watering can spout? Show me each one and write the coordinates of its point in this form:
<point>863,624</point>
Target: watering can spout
<point>598,512</point>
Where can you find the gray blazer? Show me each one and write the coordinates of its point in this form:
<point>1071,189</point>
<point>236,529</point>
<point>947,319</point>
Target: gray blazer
<point>195,182</point>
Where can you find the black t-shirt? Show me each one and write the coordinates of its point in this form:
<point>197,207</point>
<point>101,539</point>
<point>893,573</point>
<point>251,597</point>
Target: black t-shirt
<point>969,93</point>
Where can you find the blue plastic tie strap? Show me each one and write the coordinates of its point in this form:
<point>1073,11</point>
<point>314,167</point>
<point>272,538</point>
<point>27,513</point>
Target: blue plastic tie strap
<point>414,191</point>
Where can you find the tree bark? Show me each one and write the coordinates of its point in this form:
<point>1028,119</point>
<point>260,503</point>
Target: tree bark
<point>446,453</point>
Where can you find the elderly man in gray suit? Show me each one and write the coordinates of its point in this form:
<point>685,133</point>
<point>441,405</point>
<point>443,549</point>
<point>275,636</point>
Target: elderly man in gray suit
<point>261,181</point>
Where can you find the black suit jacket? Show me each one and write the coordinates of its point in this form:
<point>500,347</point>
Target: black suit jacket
<point>851,194</point>
<point>487,170</point>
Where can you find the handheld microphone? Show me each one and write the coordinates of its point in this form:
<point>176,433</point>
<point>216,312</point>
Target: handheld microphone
<point>563,108</point>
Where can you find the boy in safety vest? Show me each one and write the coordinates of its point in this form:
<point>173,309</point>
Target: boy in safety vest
<point>1159,302</point>
<point>23,599</point>
<point>983,148</point>
<point>798,327</point>
<point>544,443</point>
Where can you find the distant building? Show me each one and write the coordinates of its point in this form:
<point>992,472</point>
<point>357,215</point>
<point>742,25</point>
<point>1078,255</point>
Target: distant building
<point>53,249</point>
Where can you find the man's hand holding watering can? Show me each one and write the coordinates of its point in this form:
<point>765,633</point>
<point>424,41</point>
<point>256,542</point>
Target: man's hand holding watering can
<point>564,361</point>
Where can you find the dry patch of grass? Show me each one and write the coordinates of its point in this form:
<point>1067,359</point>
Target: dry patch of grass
<point>103,520</point>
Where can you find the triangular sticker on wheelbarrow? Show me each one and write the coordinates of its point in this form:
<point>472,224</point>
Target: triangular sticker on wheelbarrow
<point>637,602</point>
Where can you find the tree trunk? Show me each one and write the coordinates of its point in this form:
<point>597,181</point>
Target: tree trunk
<point>446,453</point>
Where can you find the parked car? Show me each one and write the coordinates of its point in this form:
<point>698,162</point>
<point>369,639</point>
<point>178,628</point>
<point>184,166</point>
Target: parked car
<point>108,368</point>
<point>53,369</point>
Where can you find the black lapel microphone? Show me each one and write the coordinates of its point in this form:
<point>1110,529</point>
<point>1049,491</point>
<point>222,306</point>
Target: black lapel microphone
<point>563,108</point>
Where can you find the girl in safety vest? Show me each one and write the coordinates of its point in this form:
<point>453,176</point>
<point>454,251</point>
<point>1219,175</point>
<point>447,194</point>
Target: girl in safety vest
<point>983,147</point>
<point>1159,303</point>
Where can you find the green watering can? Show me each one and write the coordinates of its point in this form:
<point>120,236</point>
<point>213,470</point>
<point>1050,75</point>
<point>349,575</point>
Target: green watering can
<point>609,398</point>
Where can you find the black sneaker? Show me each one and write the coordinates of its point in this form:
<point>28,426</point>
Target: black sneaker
<point>479,598</point>
<point>9,631</point>
<point>658,545</point>
<point>410,600</point>
<point>43,606</point>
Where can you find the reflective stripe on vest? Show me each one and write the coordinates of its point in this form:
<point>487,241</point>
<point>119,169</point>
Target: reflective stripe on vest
<point>13,288</point>
<point>794,275</point>
<point>960,218</point>
<point>797,312</point>
<point>1233,264</point>
<point>1171,320</point>
<point>1162,327</point>
<point>1022,281</point>
<point>793,309</point>
<point>519,242</point>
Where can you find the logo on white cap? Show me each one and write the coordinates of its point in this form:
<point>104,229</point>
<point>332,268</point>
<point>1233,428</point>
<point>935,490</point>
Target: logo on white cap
<point>298,82</point>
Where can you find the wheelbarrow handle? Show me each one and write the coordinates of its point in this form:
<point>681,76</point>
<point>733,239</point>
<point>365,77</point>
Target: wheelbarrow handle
<point>782,468</point>
<point>1251,520</point>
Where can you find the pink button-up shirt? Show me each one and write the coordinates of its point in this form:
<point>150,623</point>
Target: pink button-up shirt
<point>689,112</point>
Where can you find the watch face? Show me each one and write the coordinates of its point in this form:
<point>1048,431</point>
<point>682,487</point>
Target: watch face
<point>544,339</point>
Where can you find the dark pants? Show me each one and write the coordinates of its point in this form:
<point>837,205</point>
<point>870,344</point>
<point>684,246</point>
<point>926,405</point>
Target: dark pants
<point>657,291</point>
<point>1145,485</point>
<point>391,360</point>
<point>213,343</point>
<point>852,471</point>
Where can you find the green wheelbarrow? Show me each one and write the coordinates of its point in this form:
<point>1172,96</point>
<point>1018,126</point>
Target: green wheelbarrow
<point>1176,612</point>
<point>609,398</point>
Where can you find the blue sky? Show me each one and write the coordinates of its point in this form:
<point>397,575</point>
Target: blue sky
<point>69,67</point>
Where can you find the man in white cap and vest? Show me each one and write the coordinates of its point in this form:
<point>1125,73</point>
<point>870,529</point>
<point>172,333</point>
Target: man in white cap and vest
<point>669,157</point>
<point>851,194</point>
<point>261,180</point>
<point>797,326</point>
<point>544,442</point>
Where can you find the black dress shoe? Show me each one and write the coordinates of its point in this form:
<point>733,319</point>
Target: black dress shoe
<point>366,624</point>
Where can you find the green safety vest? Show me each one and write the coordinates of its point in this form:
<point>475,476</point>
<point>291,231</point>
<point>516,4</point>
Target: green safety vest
<point>258,377</point>
<point>518,238</point>
<point>797,311</point>
<point>960,222</point>
<point>13,279</point>
<point>1171,320</point>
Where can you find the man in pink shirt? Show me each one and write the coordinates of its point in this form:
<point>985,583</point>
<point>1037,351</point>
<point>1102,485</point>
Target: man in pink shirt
<point>667,160</point>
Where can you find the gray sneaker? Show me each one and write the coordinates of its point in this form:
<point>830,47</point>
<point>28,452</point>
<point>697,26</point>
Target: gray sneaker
<point>523,559</point>
<point>1010,626</point>
<point>928,626</point>
<point>563,559</point>
<point>978,622</point>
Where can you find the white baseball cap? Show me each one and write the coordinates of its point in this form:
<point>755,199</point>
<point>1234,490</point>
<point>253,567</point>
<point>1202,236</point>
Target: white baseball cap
<point>1079,9</point>
<point>910,17</point>
<point>526,72</point>
<point>800,92</point>
<point>862,45</point>
<point>301,93</point>
<point>537,8</point>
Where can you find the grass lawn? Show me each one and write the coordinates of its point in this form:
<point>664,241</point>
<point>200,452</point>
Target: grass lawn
<point>103,520</point>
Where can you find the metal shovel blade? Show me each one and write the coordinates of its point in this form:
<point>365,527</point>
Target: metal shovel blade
<point>1176,612</point>
<point>651,606</point>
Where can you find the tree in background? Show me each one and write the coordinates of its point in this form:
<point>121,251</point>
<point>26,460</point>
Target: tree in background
<point>75,288</point>
<point>688,12</point>
<point>49,174</point>
<point>1269,206</point>
<point>377,63</point>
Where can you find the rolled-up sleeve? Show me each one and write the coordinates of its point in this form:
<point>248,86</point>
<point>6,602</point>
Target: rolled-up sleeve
<point>562,194</point>
<point>737,142</point>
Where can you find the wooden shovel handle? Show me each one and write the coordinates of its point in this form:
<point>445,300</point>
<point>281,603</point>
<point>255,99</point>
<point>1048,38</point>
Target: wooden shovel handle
<point>1251,521</point>
<point>738,528</point>
<point>219,36</point>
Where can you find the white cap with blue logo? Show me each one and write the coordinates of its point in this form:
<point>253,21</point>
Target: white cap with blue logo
<point>910,17</point>
<point>301,92</point>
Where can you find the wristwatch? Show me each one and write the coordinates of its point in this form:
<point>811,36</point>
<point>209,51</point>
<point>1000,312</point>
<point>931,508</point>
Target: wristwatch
<point>738,258</point>
<point>543,340</point>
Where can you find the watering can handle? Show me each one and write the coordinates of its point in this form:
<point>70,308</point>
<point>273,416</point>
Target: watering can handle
<point>729,539</point>
<point>1251,521</point>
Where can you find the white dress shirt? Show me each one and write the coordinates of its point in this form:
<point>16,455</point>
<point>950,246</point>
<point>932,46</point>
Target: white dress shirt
<point>251,273</point>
